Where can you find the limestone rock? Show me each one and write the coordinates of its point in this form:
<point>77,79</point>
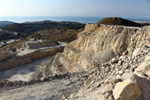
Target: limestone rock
<point>94,48</point>
<point>112,80</point>
<point>125,53</point>
<point>144,85</point>
<point>64,97</point>
<point>91,49</point>
<point>114,60</point>
<point>28,58</point>
<point>144,68</point>
<point>127,90</point>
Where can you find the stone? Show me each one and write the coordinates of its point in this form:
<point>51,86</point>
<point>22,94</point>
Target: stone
<point>112,80</point>
<point>144,86</point>
<point>120,62</point>
<point>64,98</point>
<point>126,90</point>
<point>107,69</point>
<point>120,72</point>
<point>125,53</point>
<point>136,51</point>
<point>126,66</point>
<point>144,68</point>
<point>43,79</point>
<point>114,60</point>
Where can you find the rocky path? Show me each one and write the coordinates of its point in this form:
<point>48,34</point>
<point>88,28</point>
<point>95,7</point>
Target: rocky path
<point>27,51</point>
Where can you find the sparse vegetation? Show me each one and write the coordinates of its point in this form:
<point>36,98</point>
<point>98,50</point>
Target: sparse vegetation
<point>66,35</point>
<point>49,30</point>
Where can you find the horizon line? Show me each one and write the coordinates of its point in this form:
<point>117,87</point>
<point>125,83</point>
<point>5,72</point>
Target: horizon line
<point>79,16</point>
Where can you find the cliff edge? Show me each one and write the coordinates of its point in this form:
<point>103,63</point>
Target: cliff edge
<point>118,56</point>
<point>97,44</point>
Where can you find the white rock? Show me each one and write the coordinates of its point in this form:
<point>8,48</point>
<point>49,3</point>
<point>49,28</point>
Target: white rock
<point>127,90</point>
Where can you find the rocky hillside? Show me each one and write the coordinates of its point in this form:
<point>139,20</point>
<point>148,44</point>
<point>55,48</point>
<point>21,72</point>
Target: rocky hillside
<point>122,78</point>
<point>119,56</point>
<point>31,27</point>
<point>105,62</point>
<point>48,30</point>
<point>95,45</point>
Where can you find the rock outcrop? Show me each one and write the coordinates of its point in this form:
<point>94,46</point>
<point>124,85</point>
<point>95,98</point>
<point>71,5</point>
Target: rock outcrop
<point>28,58</point>
<point>127,90</point>
<point>114,54</point>
<point>133,64</point>
<point>95,45</point>
<point>111,62</point>
<point>116,60</point>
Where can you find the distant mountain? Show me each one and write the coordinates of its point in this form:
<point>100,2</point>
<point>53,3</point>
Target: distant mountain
<point>118,21</point>
<point>4,23</point>
<point>30,27</point>
<point>49,21</point>
<point>50,30</point>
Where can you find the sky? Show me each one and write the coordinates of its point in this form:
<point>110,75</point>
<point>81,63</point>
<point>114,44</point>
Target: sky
<point>97,8</point>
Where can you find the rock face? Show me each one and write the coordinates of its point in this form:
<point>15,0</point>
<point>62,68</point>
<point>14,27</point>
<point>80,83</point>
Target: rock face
<point>113,62</point>
<point>28,58</point>
<point>133,64</point>
<point>116,59</point>
<point>4,55</point>
<point>95,45</point>
<point>117,51</point>
<point>10,49</point>
<point>127,90</point>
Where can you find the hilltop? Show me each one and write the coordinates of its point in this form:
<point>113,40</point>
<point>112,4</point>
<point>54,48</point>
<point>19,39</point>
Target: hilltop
<point>4,23</point>
<point>118,21</point>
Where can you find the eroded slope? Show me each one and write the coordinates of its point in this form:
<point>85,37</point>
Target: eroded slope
<point>95,45</point>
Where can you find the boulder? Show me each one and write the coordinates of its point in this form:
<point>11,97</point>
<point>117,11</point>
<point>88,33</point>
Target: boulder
<point>126,90</point>
<point>144,68</point>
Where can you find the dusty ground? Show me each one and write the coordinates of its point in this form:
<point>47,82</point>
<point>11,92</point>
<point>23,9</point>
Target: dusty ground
<point>53,89</point>
<point>24,72</point>
<point>50,90</point>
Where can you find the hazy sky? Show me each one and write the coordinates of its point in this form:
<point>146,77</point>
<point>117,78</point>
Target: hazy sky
<point>100,8</point>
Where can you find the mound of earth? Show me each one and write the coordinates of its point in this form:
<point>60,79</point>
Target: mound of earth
<point>118,21</point>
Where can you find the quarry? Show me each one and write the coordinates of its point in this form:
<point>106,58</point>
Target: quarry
<point>104,62</point>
